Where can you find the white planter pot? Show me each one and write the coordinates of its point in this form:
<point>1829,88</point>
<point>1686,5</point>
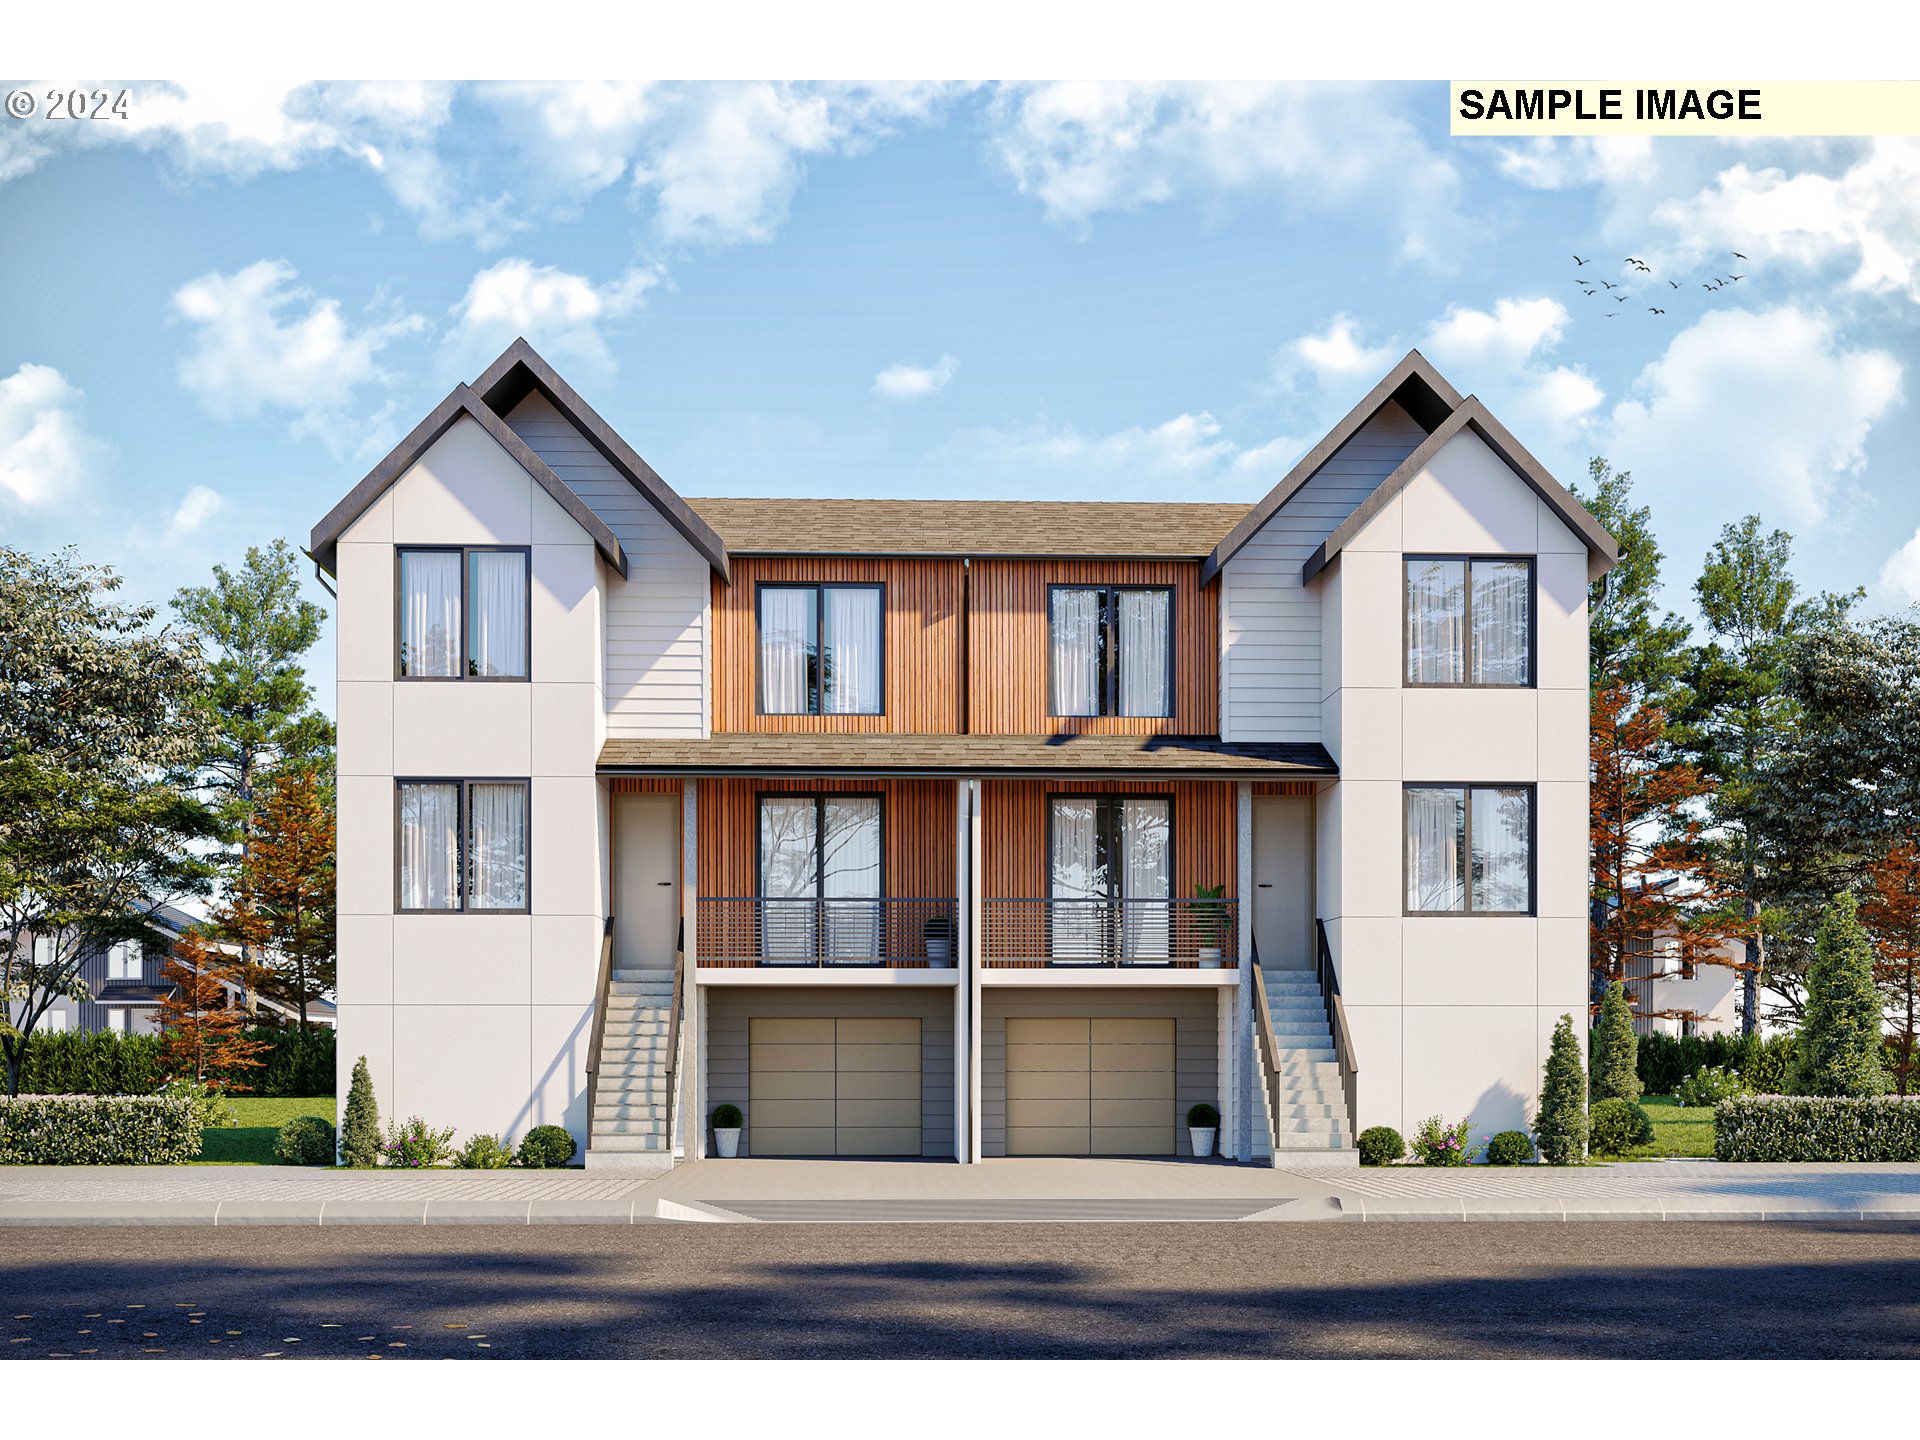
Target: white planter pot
<point>1203,1138</point>
<point>1211,958</point>
<point>940,951</point>
<point>728,1142</point>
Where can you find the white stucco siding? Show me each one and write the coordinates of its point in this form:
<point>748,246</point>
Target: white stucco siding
<point>1271,653</point>
<point>655,672</point>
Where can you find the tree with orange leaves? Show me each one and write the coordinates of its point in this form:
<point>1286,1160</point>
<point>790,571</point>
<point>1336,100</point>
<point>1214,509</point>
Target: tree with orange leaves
<point>203,1034</point>
<point>1890,909</point>
<point>282,909</point>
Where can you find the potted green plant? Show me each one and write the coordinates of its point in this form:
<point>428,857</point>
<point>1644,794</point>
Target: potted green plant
<point>1203,1128</point>
<point>1210,924</point>
<point>938,933</point>
<point>727,1121</point>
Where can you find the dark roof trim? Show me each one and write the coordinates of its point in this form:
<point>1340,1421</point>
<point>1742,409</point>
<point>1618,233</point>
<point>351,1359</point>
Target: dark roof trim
<point>988,772</point>
<point>1602,551</point>
<point>520,370</point>
<point>1423,392</point>
<point>460,401</point>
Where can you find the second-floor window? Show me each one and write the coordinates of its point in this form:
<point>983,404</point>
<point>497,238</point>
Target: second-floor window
<point>820,649</point>
<point>464,614</point>
<point>463,845</point>
<point>123,960</point>
<point>1110,650</point>
<point>1469,620</point>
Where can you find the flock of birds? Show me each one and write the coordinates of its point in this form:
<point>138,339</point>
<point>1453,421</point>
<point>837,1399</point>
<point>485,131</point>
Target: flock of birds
<point>1617,293</point>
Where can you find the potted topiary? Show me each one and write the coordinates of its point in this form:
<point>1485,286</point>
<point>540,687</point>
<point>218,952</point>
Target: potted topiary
<point>1210,924</point>
<point>1203,1126</point>
<point>938,933</point>
<point>727,1121</point>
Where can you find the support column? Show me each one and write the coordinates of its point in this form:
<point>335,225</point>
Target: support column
<point>693,1016</point>
<point>976,951</point>
<point>962,949</point>
<point>1243,993</point>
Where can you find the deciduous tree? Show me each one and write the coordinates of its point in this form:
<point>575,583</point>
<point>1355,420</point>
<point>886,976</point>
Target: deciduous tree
<point>203,1035</point>
<point>283,905</point>
<point>1890,909</point>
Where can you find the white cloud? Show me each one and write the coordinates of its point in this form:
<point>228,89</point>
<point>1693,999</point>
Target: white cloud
<point>1560,164</point>
<point>1770,404</point>
<point>46,452</point>
<point>199,505</point>
<point>912,382</point>
<point>1560,399</point>
<point>263,342</point>
<point>1901,574</point>
<point>1501,339</point>
<point>1188,450</point>
<point>1335,358</point>
<point>1084,148</point>
<point>561,314</point>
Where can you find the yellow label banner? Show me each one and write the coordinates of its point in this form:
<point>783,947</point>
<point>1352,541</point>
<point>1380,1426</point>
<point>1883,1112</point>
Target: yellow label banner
<point>1685,107</point>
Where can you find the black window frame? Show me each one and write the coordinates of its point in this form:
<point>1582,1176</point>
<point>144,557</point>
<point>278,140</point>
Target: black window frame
<point>819,799</point>
<point>1467,787</point>
<point>1107,659</point>
<point>1108,829</point>
<point>816,690</point>
<point>465,784</point>
<point>465,552</point>
<point>1466,624</point>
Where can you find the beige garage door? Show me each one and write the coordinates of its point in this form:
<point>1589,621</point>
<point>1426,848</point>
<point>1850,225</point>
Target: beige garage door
<point>1090,1086</point>
<point>827,1086</point>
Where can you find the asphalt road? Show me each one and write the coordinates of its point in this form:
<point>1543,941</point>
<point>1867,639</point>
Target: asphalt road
<point>807,1291</point>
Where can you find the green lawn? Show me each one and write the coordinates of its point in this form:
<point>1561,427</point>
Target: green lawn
<point>1678,1132</point>
<point>251,1142</point>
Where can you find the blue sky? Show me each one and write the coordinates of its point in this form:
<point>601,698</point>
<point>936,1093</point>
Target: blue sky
<point>221,312</point>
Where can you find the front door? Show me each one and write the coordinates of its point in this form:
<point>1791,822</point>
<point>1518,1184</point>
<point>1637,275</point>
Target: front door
<point>646,881</point>
<point>1283,881</point>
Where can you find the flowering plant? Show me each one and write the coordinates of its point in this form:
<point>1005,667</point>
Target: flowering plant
<point>1438,1143</point>
<point>417,1145</point>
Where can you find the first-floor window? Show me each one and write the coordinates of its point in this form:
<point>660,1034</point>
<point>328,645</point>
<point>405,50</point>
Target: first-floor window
<point>1110,859</point>
<point>463,845</point>
<point>820,876</point>
<point>1469,849</point>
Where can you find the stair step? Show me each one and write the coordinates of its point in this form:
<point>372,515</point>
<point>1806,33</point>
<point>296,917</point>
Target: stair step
<point>1314,1126</point>
<point>645,1144</point>
<point>1288,1140</point>
<point>627,1110</point>
<point>604,1128</point>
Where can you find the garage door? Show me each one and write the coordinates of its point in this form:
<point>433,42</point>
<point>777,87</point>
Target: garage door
<point>833,1086</point>
<point>1090,1086</point>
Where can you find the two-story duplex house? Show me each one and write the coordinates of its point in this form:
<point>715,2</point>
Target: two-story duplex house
<point>958,829</point>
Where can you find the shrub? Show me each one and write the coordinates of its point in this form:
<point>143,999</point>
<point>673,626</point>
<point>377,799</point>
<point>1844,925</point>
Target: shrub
<point>727,1117</point>
<point>1709,1085</point>
<point>484,1152</point>
<point>1767,1066</point>
<point>304,1140</point>
<point>1509,1147</point>
<point>110,1063</point>
<point>1381,1145</point>
<point>1840,1027</point>
<point>1438,1143</point>
<point>1617,1126</point>
<point>416,1145</point>
<point>208,1103</point>
<point>98,1130</point>
<point>1788,1128</point>
<point>546,1147</point>
<point>1203,1117</point>
<point>360,1126</point>
<point>1560,1127</point>
<point>1615,1050</point>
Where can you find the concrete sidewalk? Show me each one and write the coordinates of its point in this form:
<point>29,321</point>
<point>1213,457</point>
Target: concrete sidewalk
<point>905,1191</point>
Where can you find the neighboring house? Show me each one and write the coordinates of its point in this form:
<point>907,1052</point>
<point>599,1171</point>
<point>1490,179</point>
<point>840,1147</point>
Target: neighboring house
<point>125,984</point>
<point>913,827</point>
<point>1674,996</point>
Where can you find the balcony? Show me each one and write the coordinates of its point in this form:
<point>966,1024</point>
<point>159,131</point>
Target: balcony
<point>1111,934</point>
<point>770,933</point>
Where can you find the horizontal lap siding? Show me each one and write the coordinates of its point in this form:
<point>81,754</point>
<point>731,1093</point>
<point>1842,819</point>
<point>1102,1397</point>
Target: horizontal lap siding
<point>1196,1019</point>
<point>1008,647</point>
<point>655,680</point>
<point>1272,622</point>
<point>1014,838</point>
<point>729,1008</point>
<point>920,669</point>
<point>917,832</point>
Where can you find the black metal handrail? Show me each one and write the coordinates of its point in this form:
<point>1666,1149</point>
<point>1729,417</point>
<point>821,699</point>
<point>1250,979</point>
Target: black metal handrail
<point>1023,931</point>
<point>831,930</point>
<point>1337,1021</point>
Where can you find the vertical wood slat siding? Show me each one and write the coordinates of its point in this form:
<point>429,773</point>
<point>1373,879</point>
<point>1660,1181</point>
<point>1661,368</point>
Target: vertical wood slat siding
<point>921,664</point>
<point>1007,670</point>
<point>1297,789</point>
<point>1014,832</point>
<point>645,785</point>
<point>917,830</point>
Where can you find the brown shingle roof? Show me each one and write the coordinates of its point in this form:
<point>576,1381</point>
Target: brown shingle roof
<point>1116,530</point>
<point>1137,756</point>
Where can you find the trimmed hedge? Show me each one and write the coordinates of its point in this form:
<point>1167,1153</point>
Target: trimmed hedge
<point>108,1063</point>
<point>1788,1128</point>
<point>98,1130</point>
<point>1666,1060</point>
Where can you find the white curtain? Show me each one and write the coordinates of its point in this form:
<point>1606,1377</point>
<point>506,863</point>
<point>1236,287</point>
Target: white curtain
<point>497,846</point>
<point>1080,886</point>
<point>789,876</point>
<point>1436,622</point>
<point>850,876</point>
<point>430,847</point>
<point>850,678</point>
<point>787,647</point>
<point>124,960</point>
<point>1076,635</point>
<point>1145,651</point>
<point>1436,838</point>
<point>1502,594</point>
<point>1502,837</point>
<point>1146,874</point>
<point>430,612</point>
<point>497,598</point>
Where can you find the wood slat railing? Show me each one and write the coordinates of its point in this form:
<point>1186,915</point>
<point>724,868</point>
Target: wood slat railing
<point>599,1024</point>
<point>673,1030</point>
<point>1269,1050</point>
<point>1337,1022</point>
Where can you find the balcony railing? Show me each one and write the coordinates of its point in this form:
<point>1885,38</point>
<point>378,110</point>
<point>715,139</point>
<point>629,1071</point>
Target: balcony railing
<point>1110,932</point>
<point>764,930</point>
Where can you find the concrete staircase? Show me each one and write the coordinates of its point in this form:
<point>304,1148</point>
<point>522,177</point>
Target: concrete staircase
<point>633,1095</point>
<point>1311,1126</point>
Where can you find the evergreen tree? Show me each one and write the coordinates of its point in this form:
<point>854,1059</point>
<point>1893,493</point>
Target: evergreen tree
<point>1616,1049</point>
<point>1560,1126</point>
<point>1839,1049</point>
<point>360,1126</point>
<point>1629,642</point>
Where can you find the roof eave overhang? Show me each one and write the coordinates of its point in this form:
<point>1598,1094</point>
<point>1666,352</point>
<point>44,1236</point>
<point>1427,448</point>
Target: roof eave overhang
<point>967,772</point>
